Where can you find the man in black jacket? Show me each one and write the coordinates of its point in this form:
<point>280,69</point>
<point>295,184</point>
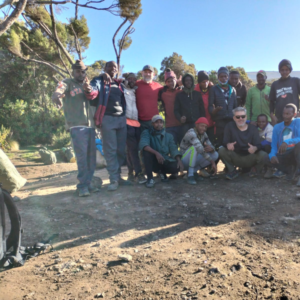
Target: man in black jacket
<point>189,105</point>
<point>283,91</point>
<point>241,91</point>
<point>241,146</point>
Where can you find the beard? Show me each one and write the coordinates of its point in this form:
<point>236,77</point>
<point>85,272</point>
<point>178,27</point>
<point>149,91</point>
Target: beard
<point>147,79</point>
<point>241,124</point>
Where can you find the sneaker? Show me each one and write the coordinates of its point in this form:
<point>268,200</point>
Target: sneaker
<point>124,182</point>
<point>197,177</point>
<point>83,192</point>
<point>191,180</point>
<point>204,173</point>
<point>232,175</point>
<point>253,172</point>
<point>150,183</point>
<point>164,178</point>
<point>93,189</point>
<point>141,179</point>
<point>113,186</point>
<point>131,177</point>
<point>269,173</point>
<point>278,174</point>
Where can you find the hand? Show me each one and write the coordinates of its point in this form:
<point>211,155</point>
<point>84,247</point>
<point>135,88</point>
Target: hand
<point>183,119</point>
<point>252,149</point>
<point>179,81</point>
<point>180,165</point>
<point>86,85</point>
<point>214,167</point>
<point>283,148</point>
<point>56,98</point>
<point>274,160</point>
<point>106,78</point>
<point>230,146</point>
<point>208,148</point>
<point>274,119</point>
<point>253,123</point>
<point>159,158</point>
<point>267,98</point>
<point>216,109</point>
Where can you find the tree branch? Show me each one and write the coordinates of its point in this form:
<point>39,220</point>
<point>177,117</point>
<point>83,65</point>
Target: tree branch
<point>114,37</point>
<point>77,46</point>
<point>76,10</point>
<point>4,26</point>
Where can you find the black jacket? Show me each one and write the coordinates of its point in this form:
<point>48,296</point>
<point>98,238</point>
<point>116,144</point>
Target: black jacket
<point>190,107</point>
<point>283,92</point>
<point>216,98</point>
<point>241,94</point>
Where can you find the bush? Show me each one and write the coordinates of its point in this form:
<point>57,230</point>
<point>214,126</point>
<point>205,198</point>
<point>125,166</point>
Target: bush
<point>5,134</point>
<point>61,140</point>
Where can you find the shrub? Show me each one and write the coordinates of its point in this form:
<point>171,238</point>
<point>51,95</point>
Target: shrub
<point>61,139</point>
<point>5,134</point>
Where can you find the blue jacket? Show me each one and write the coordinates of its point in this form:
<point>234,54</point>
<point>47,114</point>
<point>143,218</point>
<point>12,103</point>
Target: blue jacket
<point>277,137</point>
<point>160,141</point>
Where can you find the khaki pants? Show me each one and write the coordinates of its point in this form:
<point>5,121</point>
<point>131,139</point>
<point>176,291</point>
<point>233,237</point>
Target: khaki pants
<point>232,159</point>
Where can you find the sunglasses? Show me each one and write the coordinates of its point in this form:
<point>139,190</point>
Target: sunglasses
<point>243,117</point>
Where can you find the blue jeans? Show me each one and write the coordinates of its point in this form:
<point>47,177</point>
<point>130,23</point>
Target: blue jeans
<point>177,132</point>
<point>83,139</point>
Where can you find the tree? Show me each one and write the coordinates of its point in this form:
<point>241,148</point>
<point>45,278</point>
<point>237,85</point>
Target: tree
<point>176,63</point>
<point>96,68</point>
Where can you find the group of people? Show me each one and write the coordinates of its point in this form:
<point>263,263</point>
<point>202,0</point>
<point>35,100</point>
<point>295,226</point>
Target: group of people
<point>198,125</point>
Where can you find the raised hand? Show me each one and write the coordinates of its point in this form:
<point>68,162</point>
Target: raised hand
<point>252,149</point>
<point>86,85</point>
<point>230,146</point>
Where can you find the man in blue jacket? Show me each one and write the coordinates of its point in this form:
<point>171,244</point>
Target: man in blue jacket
<point>285,152</point>
<point>160,153</point>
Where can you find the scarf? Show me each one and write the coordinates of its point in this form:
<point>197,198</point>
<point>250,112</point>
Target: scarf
<point>221,84</point>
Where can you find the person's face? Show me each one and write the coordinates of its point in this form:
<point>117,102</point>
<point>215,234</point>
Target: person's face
<point>158,125</point>
<point>111,69</point>
<point>148,75</point>
<point>223,77</point>
<point>188,82</point>
<point>204,84</point>
<point>79,75</point>
<point>288,114</point>
<point>261,79</point>
<point>171,83</point>
<point>285,72</point>
<point>201,128</point>
<point>262,122</point>
<point>240,118</point>
<point>234,79</point>
<point>131,81</point>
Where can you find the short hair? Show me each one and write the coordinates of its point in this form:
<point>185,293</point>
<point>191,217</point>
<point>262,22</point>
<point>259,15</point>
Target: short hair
<point>293,106</point>
<point>262,115</point>
<point>109,62</point>
<point>234,72</point>
<point>239,108</point>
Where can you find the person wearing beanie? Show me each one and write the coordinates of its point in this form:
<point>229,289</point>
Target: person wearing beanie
<point>189,106</point>
<point>285,90</point>
<point>197,151</point>
<point>69,94</point>
<point>222,100</point>
<point>166,96</point>
<point>203,86</point>
<point>133,130</point>
<point>241,146</point>
<point>241,91</point>
<point>160,153</point>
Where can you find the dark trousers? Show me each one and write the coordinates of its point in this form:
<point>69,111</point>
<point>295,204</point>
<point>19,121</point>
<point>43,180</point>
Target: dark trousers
<point>177,132</point>
<point>211,134</point>
<point>145,125</point>
<point>220,126</point>
<point>152,165</point>
<point>85,150</point>
<point>288,162</point>
<point>133,138</point>
<point>267,148</point>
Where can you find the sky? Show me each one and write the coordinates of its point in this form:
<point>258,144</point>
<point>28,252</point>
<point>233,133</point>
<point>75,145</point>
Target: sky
<point>253,34</point>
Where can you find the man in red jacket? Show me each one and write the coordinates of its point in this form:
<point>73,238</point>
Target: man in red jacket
<point>146,97</point>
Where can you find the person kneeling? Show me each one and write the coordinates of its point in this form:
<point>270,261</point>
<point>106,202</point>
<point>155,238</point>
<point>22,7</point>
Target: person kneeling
<point>241,146</point>
<point>197,150</point>
<point>159,151</point>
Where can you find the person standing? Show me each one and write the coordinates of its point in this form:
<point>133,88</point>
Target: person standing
<point>79,119</point>
<point>257,101</point>
<point>284,91</point>
<point>241,91</point>
<point>110,117</point>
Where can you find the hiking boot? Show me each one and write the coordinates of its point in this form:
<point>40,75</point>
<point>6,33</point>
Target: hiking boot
<point>253,172</point>
<point>113,186</point>
<point>232,175</point>
<point>278,174</point>
<point>204,173</point>
<point>93,189</point>
<point>191,180</point>
<point>141,179</point>
<point>164,178</point>
<point>83,192</point>
<point>124,182</point>
<point>269,173</point>
<point>150,183</point>
<point>131,177</point>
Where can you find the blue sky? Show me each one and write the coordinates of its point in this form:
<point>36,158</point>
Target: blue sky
<point>254,34</point>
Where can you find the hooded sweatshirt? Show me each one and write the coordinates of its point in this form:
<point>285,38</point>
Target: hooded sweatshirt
<point>241,94</point>
<point>283,92</point>
<point>189,103</point>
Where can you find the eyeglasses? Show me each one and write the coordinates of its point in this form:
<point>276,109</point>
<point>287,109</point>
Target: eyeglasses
<point>243,117</point>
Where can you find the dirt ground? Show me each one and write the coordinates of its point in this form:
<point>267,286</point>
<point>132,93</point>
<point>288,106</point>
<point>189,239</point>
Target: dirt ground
<point>216,240</point>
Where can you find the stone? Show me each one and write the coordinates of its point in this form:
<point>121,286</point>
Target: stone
<point>100,295</point>
<point>125,257</point>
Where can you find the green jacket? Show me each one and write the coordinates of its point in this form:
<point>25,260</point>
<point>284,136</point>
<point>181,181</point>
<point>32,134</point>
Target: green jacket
<point>77,109</point>
<point>256,103</point>
<point>160,141</point>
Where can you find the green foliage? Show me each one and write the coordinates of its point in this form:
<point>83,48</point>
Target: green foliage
<point>96,68</point>
<point>61,139</point>
<point>130,9</point>
<point>127,42</point>
<point>5,134</point>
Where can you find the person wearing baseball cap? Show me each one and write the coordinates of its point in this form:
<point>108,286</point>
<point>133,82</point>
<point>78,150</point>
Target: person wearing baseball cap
<point>284,91</point>
<point>160,152</point>
<point>146,96</point>
<point>197,151</point>
<point>257,101</point>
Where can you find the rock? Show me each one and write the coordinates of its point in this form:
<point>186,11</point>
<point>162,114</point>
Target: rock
<point>16,198</point>
<point>136,250</point>
<point>86,266</point>
<point>125,257</point>
<point>213,271</point>
<point>199,270</point>
<point>100,295</point>
<point>58,260</point>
